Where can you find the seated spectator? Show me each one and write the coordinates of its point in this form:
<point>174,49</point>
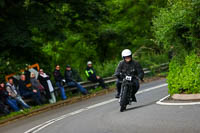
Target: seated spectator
<point>6,99</point>
<point>14,93</point>
<point>36,85</point>
<point>91,75</point>
<point>71,82</point>
<point>3,108</point>
<point>59,79</point>
<point>3,99</point>
<point>27,74</point>
<point>44,79</point>
<point>28,92</point>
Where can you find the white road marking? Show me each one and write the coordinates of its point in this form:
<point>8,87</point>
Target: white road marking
<point>50,122</point>
<point>160,102</point>
<point>152,88</point>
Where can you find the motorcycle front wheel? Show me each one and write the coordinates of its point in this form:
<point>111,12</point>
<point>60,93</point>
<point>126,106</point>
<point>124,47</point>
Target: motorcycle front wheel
<point>124,98</point>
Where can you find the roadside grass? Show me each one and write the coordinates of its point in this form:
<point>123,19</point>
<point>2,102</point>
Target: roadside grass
<point>24,111</point>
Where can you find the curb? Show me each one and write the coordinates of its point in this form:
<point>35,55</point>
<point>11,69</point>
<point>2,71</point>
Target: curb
<point>160,102</point>
<point>186,96</point>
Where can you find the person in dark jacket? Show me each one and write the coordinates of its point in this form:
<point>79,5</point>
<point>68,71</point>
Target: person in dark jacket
<point>6,99</point>
<point>128,64</point>
<point>27,91</point>
<point>91,75</point>
<point>27,74</point>
<point>59,79</point>
<point>14,93</point>
<point>44,79</point>
<point>71,82</point>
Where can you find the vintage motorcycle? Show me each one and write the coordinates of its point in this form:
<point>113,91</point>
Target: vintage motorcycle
<point>128,86</point>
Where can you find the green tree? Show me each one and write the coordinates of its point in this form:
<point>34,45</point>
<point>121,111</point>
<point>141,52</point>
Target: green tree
<point>178,25</point>
<point>73,31</point>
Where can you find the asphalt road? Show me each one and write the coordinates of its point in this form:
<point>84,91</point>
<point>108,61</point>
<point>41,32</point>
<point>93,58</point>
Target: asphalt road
<point>101,115</point>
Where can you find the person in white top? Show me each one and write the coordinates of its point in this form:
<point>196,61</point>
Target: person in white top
<point>44,79</point>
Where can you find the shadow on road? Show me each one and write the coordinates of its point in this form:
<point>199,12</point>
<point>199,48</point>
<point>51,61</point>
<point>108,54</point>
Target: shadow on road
<point>141,106</point>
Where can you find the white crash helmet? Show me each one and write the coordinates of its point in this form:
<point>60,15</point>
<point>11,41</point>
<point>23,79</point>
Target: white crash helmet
<point>126,52</point>
<point>89,63</point>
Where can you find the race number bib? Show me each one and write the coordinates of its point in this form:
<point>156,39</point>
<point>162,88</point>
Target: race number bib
<point>128,78</point>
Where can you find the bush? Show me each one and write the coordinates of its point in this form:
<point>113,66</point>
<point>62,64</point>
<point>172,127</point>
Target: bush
<point>106,69</point>
<point>152,59</point>
<point>184,77</point>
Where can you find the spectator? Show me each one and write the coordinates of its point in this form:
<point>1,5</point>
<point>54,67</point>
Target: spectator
<point>36,85</point>
<point>6,99</point>
<point>71,82</point>
<point>59,78</point>
<point>27,74</point>
<point>48,88</point>
<point>3,99</point>
<point>14,93</point>
<point>91,75</point>
<point>28,92</point>
<point>3,108</point>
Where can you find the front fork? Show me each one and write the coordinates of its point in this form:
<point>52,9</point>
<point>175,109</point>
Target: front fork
<point>130,91</point>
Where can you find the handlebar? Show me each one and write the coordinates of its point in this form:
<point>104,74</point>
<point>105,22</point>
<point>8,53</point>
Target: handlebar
<point>122,76</point>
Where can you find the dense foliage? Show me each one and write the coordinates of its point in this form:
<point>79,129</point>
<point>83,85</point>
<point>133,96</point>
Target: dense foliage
<point>184,77</point>
<point>177,29</point>
<point>178,25</point>
<point>74,31</point>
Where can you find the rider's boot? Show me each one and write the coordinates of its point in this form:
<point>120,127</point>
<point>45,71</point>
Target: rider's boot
<point>133,99</point>
<point>117,95</point>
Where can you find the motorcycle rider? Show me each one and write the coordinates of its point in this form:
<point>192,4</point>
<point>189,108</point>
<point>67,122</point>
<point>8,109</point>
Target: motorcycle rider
<point>126,65</point>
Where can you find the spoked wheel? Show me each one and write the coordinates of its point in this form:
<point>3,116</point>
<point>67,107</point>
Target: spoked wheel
<point>124,98</point>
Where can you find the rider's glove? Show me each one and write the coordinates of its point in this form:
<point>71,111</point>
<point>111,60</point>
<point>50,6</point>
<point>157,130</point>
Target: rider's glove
<point>119,75</point>
<point>139,79</point>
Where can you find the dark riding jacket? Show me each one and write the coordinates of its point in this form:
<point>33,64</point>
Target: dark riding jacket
<point>124,67</point>
<point>69,76</point>
<point>57,76</point>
